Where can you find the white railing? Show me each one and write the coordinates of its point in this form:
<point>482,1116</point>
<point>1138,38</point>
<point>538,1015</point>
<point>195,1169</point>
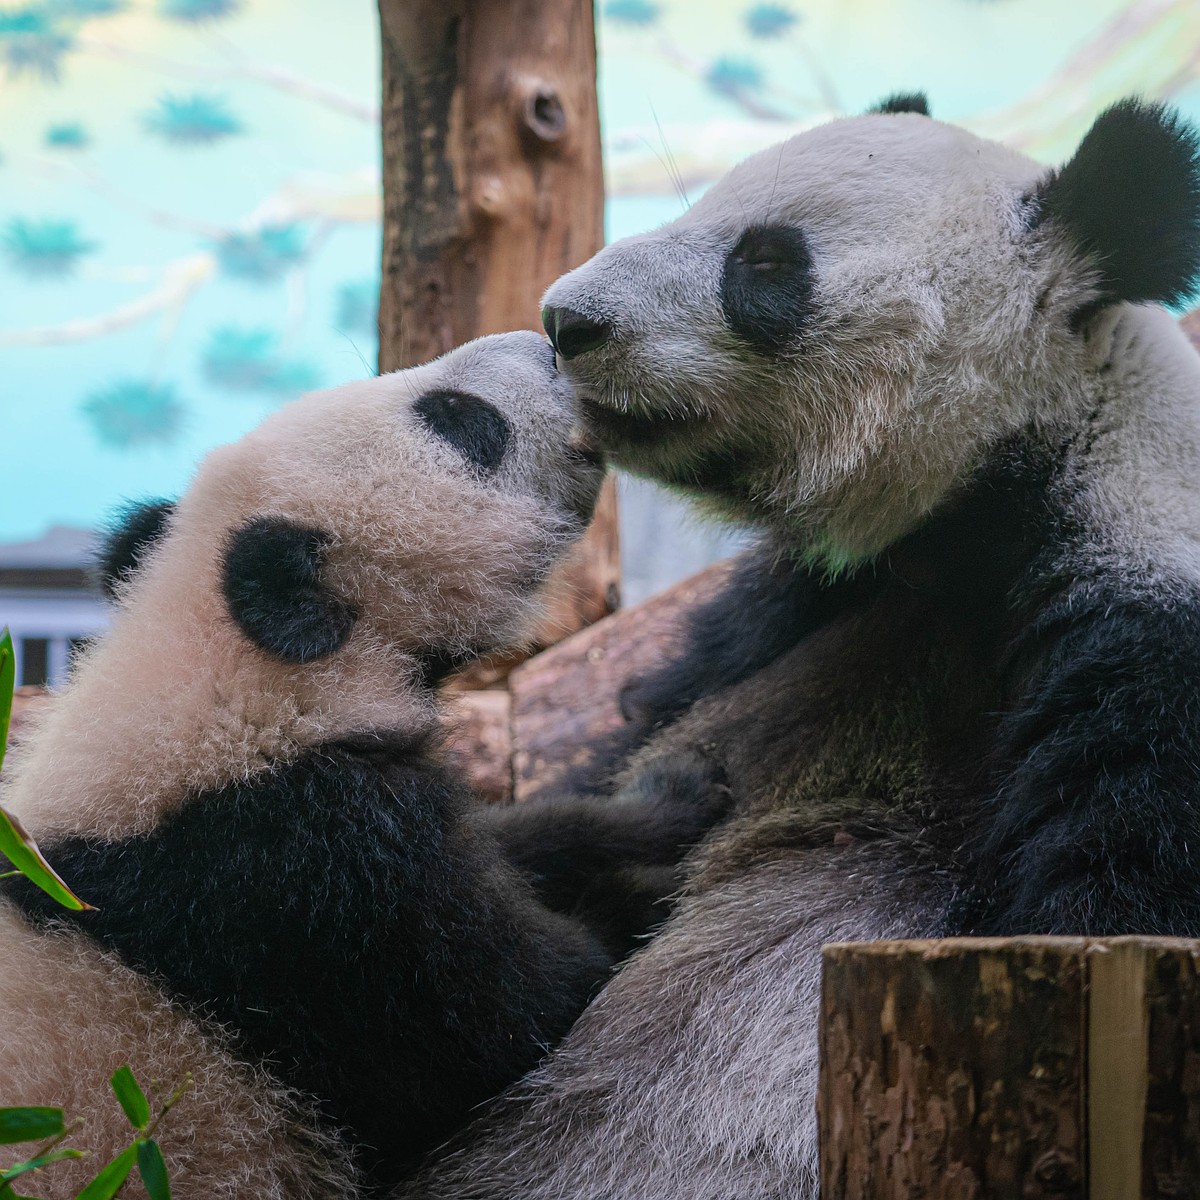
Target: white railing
<point>58,619</point>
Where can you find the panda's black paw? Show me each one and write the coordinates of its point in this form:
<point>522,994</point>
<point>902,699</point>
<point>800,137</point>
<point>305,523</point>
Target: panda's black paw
<point>686,791</point>
<point>645,710</point>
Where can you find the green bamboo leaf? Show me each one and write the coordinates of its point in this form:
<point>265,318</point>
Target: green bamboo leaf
<point>131,1097</point>
<point>29,1124</point>
<point>22,851</point>
<point>153,1170</point>
<point>108,1182</point>
<point>35,1164</point>
<point>8,684</point>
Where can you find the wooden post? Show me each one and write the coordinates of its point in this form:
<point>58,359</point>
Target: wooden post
<point>492,188</point>
<point>1022,1067</point>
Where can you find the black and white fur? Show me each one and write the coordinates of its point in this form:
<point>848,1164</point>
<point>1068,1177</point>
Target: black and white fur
<point>957,686</point>
<point>294,899</point>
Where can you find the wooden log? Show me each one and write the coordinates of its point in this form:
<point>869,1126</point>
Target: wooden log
<point>492,188</point>
<point>568,697</point>
<point>1024,1067</point>
<point>480,741</point>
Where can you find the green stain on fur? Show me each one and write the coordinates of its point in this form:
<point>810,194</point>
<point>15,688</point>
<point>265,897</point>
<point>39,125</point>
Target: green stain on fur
<point>833,561</point>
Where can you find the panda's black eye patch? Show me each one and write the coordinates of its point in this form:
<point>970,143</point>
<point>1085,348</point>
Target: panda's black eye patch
<point>476,429</point>
<point>767,286</point>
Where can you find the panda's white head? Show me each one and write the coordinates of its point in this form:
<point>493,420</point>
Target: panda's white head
<point>421,508</point>
<point>826,340</point>
<point>313,578</point>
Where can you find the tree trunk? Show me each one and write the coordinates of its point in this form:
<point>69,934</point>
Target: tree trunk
<point>492,188</point>
<point>1024,1067</point>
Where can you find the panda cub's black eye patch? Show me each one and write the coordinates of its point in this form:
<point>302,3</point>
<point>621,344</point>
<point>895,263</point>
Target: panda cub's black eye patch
<point>767,286</point>
<point>475,428</point>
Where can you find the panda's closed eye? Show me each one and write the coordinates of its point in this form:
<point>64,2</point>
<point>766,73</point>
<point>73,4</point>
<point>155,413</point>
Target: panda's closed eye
<point>479,431</point>
<point>767,286</point>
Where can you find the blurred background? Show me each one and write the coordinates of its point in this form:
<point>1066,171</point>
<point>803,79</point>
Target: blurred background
<point>190,208</point>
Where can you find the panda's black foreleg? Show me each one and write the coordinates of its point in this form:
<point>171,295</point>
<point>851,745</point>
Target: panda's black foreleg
<point>768,605</point>
<point>1094,825</point>
<point>613,862</point>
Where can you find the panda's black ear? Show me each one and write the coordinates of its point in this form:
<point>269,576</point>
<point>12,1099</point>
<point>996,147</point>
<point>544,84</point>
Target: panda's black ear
<point>1130,199</point>
<point>903,102</point>
<point>272,583</point>
<point>130,534</point>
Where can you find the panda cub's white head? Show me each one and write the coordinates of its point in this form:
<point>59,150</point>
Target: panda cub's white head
<point>828,337</point>
<point>313,577</point>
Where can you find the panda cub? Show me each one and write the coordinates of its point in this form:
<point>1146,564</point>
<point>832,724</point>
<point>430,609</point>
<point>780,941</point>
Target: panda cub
<point>956,688</point>
<point>293,899</point>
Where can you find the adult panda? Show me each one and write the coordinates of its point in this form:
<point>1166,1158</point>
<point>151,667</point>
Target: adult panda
<point>956,688</point>
<point>294,900</point>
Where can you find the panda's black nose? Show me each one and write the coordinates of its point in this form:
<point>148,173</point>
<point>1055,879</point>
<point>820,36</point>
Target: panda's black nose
<point>572,333</point>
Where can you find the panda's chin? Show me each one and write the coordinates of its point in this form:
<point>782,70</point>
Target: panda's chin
<point>620,432</point>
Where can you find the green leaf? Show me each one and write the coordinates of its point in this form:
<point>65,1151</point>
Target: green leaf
<point>29,1124</point>
<point>35,1164</point>
<point>8,684</point>
<point>22,851</point>
<point>132,1098</point>
<point>153,1170</point>
<point>108,1182</point>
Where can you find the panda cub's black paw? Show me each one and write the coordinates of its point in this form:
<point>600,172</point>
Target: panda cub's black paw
<point>685,790</point>
<point>645,710</point>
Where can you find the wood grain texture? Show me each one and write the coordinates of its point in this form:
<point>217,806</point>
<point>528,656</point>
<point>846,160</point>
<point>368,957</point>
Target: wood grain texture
<point>1024,1067</point>
<point>1170,1164</point>
<point>493,187</point>
<point>952,1069</point>
<point>480,741</point>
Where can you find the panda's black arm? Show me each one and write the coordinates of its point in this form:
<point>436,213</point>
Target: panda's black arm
<point>612,861</point>
<point>342,918</point>
<point>769,603</point>
<point>1095,823</point>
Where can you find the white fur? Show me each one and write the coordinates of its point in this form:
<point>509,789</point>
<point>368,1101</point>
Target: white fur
<point>924,346</point>
<point>71,1016</point>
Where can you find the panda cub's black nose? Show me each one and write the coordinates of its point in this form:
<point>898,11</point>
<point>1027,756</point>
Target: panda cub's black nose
<point>572,333</point>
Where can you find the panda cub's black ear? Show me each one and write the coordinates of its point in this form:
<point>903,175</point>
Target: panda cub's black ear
<point>131,533</point>
<point>903,102</point>
<point>273,587</point>
<point>1130,199</point>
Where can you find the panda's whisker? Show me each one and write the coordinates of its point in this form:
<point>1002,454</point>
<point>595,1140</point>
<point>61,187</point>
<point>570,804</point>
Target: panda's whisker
<point>671,166</point>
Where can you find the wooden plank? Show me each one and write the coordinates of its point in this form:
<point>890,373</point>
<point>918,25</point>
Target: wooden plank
<point>1170,1161</point>
<point>1118,1042</point>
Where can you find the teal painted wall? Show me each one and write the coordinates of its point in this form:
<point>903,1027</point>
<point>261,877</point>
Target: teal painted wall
<point>189,189</point>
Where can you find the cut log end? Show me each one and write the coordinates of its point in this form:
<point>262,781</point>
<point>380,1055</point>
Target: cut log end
<point>1010,1067</point>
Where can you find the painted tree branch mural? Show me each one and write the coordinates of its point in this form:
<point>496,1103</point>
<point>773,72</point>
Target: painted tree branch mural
<point>190,190</point>
<point>271,249</point>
